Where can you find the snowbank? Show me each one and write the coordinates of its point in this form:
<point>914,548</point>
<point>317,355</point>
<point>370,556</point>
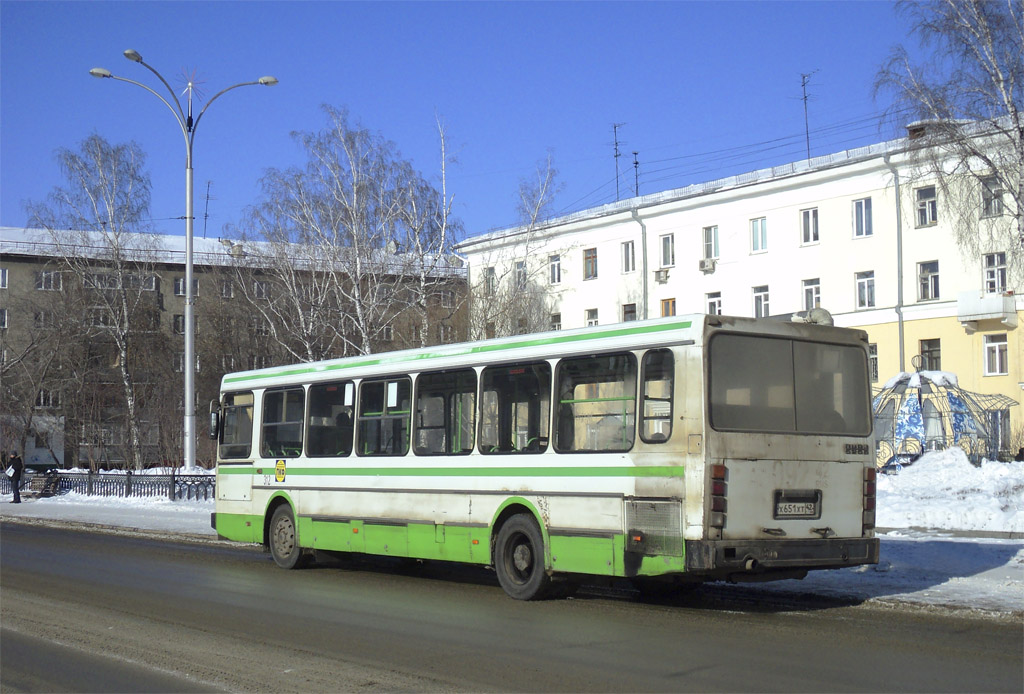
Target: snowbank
<point>943,490</point>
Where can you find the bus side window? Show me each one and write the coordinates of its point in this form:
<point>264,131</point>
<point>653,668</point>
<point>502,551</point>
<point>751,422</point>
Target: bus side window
<point>282,423</point>
<point>384,417</point>
<point>657,374</point>
<point>596,403</point>
<point>445,410</point>
<point>236,431</point>
<point>330,419</point>
<point>515,408</point>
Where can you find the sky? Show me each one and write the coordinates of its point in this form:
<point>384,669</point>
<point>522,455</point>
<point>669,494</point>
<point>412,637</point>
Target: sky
<point>946,541</point>
<point>702,90</point>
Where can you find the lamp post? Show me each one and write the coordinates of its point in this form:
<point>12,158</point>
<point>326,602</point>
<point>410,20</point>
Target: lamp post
<point>188,130</point>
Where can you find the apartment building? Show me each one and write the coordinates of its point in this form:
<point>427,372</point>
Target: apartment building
<point>854,232</point>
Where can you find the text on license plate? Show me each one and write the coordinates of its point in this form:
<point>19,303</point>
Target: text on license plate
<point>806,508</point>
<point>797,503</point>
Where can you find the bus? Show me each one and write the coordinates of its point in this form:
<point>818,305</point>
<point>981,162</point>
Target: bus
<point>669,452</point>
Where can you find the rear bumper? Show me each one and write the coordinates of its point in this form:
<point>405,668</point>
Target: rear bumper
<point>726,557</point>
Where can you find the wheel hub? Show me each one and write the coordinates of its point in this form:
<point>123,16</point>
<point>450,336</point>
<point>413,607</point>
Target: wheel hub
<point>522,557</point>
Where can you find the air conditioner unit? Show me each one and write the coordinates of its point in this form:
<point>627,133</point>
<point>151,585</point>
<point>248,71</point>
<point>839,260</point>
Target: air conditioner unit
<point>706,265</point>
<point>661,275</point>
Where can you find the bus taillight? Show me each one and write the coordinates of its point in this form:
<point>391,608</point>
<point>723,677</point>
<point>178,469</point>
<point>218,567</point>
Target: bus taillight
<point>870,476</point>
<point>718,491</point>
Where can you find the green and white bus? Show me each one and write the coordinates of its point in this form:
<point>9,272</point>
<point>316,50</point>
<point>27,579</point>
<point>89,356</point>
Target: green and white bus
<point>676,450</point>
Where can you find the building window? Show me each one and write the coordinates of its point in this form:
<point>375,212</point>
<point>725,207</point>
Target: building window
<point>44,319</point>
<point>590,263</point>
<point>227,362</point>
<point>227,289</point>
<point>927,206</point>
<point>3,278</point>
<point>48,280</point>
<point>710,242</point>
<point>446,333</point>
<point>931,355</point>
<point>3,319</point>
<point>490,281</point>
<point>628,256</point>
<point>100,317</point>
<point>812,294</point>
<point>995,273</point>
<point>668,250</point>
<point>999,427</point>
<point>758,235</point>
<point>555,322</point>
<point>591,316</point>
<point>520,276</point>
<point>668,307</point>
<point>179,286</point>
<point>47,399</point>
<point>179,324</point>
<point>873,361</point>
<point>714,303</point>
<point>555,269</point>
<point>865,289</point>
<point>260,289</point>
<point>387,333</point>
<point>259,361</point>
<point>809,225</point>
<point>991,197</point>
<point>928,280</point>
<point>862,218</point>
<point>628,312</point>
<point>521,328</point>
<point>996,363</point>
<point>761,301</point>
<point>490,331</point>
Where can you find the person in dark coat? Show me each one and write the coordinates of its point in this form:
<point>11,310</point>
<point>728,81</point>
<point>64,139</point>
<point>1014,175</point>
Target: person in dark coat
<point>15,462</point>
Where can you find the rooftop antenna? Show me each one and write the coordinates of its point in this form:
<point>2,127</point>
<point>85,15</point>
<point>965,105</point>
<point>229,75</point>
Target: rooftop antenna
<point>805,78</point>
<point>615,131</point>
<point>206,213</point>
<point>636,173</point>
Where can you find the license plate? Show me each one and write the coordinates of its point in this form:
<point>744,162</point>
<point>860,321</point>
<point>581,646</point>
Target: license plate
<point>797,503</point>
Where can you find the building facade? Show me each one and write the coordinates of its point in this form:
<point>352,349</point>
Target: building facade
<point>859,233</point>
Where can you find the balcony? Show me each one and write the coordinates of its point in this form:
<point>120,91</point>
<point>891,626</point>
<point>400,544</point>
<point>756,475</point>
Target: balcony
<point>974,307</point>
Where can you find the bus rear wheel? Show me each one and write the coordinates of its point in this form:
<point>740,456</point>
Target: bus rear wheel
<point>283,539</point>
<point>519,559</point>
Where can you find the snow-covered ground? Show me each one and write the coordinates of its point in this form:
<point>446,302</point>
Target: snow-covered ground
<point>953,534</point>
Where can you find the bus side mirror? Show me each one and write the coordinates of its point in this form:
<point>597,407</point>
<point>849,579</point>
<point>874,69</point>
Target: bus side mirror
<point>214,419</point>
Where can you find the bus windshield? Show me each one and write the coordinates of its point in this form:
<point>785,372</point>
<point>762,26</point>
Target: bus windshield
<point>778,385</point>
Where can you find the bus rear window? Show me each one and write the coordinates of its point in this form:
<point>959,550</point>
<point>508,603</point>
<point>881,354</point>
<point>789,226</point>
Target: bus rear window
<point>776,385</point>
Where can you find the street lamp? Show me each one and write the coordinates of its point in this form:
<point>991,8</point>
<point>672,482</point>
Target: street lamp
<point>188,130</point>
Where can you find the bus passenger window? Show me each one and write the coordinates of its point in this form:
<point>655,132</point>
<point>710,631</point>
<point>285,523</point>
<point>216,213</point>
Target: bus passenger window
<point>445,411</point>
<point>596,404</point>
<point>384,415</point>
<point>282,423</point>
<point>515,408</point>
<point>330,419</point>
<point>658,373</point>
<point>236,433</point>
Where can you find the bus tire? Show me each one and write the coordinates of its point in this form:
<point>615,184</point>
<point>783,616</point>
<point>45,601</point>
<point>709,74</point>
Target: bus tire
<point>283,538</point>
<point>519,559</point>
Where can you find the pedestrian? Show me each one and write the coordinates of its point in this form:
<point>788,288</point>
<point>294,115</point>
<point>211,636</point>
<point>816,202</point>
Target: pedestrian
<point>16,466</point>
<point>1020,455</point>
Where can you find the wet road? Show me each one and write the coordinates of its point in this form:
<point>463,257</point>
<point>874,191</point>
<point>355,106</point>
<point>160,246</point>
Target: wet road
<point>88,611</point>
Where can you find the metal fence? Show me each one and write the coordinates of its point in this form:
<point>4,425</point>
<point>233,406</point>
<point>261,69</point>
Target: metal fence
<point>174,486</point>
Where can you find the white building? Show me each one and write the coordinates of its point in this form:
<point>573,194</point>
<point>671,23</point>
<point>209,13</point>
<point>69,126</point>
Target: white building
<point>849,232</point>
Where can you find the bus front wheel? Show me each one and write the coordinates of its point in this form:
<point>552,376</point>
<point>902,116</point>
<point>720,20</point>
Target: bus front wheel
<point>519,559</point>
<point>283,539</point>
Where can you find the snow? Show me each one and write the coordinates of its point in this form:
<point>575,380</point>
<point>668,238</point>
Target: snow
<point>939,378</point>
<point>952,535</point>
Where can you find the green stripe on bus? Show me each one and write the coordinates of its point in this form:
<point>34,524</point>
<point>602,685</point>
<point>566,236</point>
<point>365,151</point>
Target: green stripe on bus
<point>480,348</point>
<point>557,471</point>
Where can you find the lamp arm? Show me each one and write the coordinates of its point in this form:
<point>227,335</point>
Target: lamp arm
<point>180,113</point>
<point>212,99</point>
<point>181,123</point>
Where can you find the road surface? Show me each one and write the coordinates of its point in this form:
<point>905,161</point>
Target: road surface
<point>87,611</point>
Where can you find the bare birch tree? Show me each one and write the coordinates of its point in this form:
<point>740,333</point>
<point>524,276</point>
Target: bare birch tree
<point>94,220</point>
<point>968,93</point>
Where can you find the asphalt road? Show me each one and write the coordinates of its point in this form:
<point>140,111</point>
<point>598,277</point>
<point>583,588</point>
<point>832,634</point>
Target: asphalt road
<point>85,611</point>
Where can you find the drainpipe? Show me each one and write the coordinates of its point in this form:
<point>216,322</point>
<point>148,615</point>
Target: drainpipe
<point>899,258</point>
<point>643,250</point>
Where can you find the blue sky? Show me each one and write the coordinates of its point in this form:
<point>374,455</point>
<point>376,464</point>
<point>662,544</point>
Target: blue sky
<point>510,81</point>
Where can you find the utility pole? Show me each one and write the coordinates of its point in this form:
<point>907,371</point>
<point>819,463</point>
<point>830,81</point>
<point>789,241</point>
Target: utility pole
<point>615,132</point>
<point>805,78</point>
<point>636,174</point>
